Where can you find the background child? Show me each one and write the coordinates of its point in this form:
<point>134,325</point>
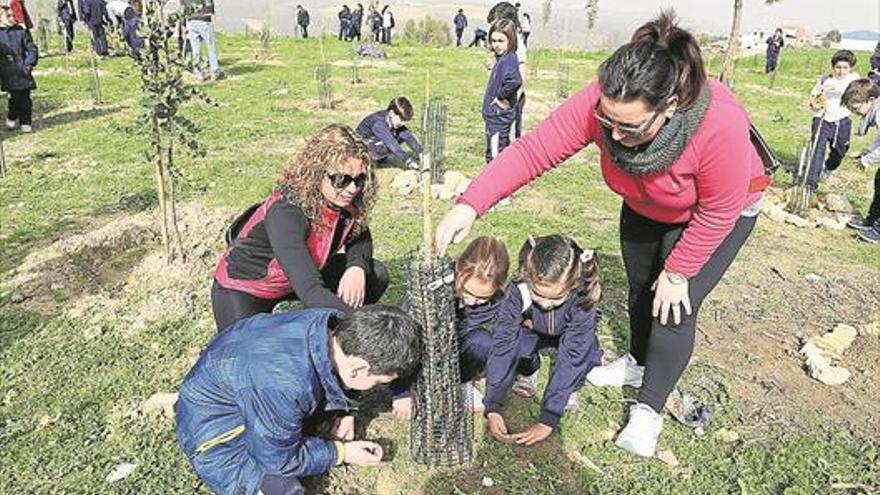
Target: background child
<point>831,119</point>
<point>862,98</point>
<point>552,306</point>
<point>500,98</point>
<point>18,56</point>
<point>247,406</point>
<point>385,132</point>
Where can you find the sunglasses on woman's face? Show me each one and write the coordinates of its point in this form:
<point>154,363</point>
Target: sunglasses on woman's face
<point>632,130</point>
<point>341,181</point>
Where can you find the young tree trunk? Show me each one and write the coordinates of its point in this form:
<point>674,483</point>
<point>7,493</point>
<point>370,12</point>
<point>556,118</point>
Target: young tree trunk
<point>177,243</point>
<point>160,184</point>
<point>732,44</point>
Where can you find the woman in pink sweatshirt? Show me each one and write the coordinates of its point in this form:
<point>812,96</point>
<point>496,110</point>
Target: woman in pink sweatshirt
<point>676,147</point>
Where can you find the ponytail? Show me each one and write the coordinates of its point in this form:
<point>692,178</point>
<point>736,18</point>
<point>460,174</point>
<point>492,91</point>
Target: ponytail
<point>662,60</point>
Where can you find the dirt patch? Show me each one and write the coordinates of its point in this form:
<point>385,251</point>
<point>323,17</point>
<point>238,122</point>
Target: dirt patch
<point>760,88</point>
<point>367,62</point>
<point>115,277</point>
<point>756,319</point>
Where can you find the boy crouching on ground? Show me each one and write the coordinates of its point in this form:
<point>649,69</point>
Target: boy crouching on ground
<point>247,406</point>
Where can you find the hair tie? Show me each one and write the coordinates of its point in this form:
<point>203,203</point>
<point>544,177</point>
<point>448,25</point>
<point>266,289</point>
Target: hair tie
<point>532,241</point>
<point>587,255</point>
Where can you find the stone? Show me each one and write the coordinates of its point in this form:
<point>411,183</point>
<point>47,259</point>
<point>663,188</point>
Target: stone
<point>835,342</point>
<point>160,404</point>
<point>838,203</point>
<point>120,471</point>
<point>57,286</point>
<point>487,482</point>
<point>727,436</point>
<point>830,223</point>
<point>405,182</point>
<point>17,297</point>
<point>775,213</point>
<point>666,456</point>
<point>799,222</point>
<point>872,329</point>
<point>820,367</point>
<point>442,191</point>
<point>812,278</point>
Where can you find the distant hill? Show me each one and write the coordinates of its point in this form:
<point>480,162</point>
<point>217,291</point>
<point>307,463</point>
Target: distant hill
<point>863,35</point>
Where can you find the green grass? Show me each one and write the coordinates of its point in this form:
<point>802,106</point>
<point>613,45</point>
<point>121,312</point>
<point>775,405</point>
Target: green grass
<point>62,387</point>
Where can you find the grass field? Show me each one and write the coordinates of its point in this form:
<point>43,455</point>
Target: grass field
<point>96,323</point>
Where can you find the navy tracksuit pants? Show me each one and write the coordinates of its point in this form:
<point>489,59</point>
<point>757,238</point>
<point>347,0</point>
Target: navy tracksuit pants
<point>498,131</point>
<point>99,39</point>
<point>130,33</point>
<point>834,135</point>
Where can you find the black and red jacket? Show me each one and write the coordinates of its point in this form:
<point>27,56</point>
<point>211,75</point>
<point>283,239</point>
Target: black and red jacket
<point>279,251</point>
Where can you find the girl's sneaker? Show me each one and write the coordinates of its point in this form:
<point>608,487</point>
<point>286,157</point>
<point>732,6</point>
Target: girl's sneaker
<point>526,386</point>
<point>574,403</point>
<point>11,124</point>
<point>622,371</point>
<point>26,128</point>
<point>641,432</point>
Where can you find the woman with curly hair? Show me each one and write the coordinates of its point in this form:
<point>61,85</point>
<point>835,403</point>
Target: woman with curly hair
<point>310,240</point>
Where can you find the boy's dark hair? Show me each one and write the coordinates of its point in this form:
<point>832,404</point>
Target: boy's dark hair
<point>384,336</point>
<point>508,29</point>
<point>402,107</point>
<point>557,258</point>
<point>503,10</point>
<point>858,92</point>
<point>844,56</point>
<point>660,61</point>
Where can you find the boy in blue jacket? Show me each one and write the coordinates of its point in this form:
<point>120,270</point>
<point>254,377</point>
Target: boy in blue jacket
<point>244,406</point>
<point>385,131</point>
<point>18,56</point>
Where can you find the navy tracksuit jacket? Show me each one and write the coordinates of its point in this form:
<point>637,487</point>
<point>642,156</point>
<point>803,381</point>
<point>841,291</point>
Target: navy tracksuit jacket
<point>504,82</point>
<point>569,328</point>
<point>383,141</point>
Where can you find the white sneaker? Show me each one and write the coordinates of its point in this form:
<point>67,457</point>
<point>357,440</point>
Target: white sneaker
<point>11,124</point>
<point>640,434</point>
<point>574,403</point>
<point>526,386</point>
<point>26,128</point>
<point>622,371</point>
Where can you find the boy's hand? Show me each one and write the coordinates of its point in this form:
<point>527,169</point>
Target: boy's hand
<point>343,428</point>
<point>402,407</point>
<point>536,433</point>
<point>360,453</point>
<point>498,428</point>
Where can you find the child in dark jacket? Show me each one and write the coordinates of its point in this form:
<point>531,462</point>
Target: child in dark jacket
<point>480,279</point>
<point>18,56</point>
<point>500,98</point>
<point>248,409</point>
<point>385,132</point>
<point>552,306</point>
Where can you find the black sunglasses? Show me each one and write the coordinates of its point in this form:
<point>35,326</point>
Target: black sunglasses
<point>341,181</point>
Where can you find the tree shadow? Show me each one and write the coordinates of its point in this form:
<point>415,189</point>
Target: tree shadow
<point>244,68</point>
<point>72,116</point>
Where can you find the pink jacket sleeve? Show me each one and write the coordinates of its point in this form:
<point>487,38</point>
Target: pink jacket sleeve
<point>565,132</point>
<point>722,190</point>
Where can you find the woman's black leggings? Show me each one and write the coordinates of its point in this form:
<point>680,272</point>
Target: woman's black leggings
<point>232,305</point>
<point>665,350</point>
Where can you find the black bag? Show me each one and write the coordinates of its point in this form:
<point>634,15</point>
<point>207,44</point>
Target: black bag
<point>768,157</point>
<point>238,223</point>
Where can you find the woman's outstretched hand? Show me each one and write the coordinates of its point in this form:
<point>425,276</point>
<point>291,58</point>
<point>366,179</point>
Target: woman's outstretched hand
<point>456,225</point>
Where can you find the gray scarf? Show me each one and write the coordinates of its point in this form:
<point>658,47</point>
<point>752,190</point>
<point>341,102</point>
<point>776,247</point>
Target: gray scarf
<point>870,119</point>
<point>666,147</point>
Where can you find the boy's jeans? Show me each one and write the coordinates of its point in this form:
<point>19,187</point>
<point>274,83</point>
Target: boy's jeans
<point>200,31</point>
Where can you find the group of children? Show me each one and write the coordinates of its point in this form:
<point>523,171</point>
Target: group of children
<point>833,99</point>
<point>381,23</point>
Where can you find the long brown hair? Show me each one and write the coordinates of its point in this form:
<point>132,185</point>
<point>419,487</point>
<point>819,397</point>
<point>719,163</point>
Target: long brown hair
<point>660,61</point>
<point>559,259</point>
<point>508,28</point>
<point>325,152</point>
<point>485,258</point>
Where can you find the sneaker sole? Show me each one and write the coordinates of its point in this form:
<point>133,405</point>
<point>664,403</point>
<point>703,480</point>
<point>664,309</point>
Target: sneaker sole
<point>630,447</point>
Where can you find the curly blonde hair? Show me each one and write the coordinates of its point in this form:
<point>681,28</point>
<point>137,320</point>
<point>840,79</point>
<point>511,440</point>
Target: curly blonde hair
<point>325,152</point>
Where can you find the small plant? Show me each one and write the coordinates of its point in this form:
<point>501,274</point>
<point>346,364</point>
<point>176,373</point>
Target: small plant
<point>355,70</point>
<point>163,93</point>
<point>95,80</point>
<point>265,37</point>
<point>325,88</point>
<point>427,31</point>
<point>563,82</point>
